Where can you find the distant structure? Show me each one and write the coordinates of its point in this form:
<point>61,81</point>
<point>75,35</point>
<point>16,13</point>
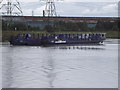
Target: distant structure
<point>32,13</point>
<point>10,8</point>
<point>50,9</point>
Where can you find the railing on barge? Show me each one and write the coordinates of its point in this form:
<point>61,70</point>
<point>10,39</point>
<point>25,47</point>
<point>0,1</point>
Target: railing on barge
<point>68,35</point>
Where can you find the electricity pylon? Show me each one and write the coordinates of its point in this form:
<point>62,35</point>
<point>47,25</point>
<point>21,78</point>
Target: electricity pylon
<point>50,9</point>
<point>10,8</point>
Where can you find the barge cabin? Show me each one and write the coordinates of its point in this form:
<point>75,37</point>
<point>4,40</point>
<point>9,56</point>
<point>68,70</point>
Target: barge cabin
<point>37,39</point>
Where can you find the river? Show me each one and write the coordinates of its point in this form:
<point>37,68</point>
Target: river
<point>83,66</point>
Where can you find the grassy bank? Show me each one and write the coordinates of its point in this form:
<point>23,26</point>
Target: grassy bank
<point>7,34</point>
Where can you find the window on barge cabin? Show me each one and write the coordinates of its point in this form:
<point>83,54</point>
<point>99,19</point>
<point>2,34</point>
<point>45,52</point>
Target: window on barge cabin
<point>79,36</point>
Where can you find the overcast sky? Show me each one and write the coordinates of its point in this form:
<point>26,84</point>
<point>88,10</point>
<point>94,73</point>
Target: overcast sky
<point>77,8</point>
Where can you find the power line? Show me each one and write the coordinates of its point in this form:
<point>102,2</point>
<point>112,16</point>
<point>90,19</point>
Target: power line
<point>11,8</point>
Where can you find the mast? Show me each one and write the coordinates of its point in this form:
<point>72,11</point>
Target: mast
<point>10,8</point>
<point>50,8</point>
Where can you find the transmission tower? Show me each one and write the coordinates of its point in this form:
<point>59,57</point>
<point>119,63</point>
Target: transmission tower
<point>50,9</point>
<point>10,8</point>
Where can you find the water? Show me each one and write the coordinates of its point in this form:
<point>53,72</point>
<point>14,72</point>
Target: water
<point>60,66</point>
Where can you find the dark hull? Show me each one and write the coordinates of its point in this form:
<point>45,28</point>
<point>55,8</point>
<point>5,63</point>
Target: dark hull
<point>39,43</point>
<point>81,43</point>
<point>25,42</point>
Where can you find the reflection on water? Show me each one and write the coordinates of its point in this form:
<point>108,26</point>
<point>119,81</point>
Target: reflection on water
<point>60,66</point>
<point>79,48</point>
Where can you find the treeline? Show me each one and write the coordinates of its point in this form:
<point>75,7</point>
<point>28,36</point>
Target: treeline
<point>63,26</point>
<point>107,26</point>
<point>9,25</point>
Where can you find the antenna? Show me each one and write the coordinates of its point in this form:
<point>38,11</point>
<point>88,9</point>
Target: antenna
<point>10,8</point>
<point>50,9</point>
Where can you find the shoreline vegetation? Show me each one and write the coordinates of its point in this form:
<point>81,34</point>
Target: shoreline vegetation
<point>6,34</point>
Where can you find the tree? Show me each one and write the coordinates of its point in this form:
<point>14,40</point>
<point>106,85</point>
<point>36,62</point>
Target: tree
<point>83,26</point>
<point>49,28</point>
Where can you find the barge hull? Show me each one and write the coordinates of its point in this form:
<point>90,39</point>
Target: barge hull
<point>57,39</point>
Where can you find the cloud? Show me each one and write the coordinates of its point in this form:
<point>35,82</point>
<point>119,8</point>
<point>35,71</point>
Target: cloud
<point>39,11</point>
<point>37,8</point>
<point>71,0</point>
<point>28,1</point>
<point>107,10</point>
<point>88,9</point>
<point>79,9</point>
<point>110,7</point>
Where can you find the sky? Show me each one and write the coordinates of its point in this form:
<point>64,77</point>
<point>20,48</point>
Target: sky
<point>73,8</point>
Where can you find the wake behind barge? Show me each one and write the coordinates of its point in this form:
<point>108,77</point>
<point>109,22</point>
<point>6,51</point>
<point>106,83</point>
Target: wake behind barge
<point>37,39</point>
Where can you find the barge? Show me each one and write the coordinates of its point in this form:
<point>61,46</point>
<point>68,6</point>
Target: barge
<point>37,39</point>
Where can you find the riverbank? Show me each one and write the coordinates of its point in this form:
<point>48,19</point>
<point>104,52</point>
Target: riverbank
<point>7,34</point>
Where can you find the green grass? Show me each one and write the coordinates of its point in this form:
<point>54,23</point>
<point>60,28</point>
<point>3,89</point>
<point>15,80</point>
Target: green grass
<point>7,34</point>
